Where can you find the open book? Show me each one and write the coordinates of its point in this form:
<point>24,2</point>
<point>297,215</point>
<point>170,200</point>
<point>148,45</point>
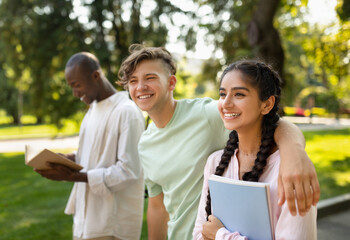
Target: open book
<point>242,206</point>
<point>38,159</point>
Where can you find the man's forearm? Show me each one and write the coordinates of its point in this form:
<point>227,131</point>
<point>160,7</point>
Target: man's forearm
<point>297,175</point>
<point>157,225</point>
<point>80,177</point>
<point>157,219</point>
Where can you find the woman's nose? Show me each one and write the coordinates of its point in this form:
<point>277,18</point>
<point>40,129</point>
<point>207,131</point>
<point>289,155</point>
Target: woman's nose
<point>227,102</point>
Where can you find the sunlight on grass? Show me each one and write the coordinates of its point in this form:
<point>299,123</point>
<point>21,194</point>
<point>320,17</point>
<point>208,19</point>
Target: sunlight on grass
<point>24,223</point>
<point>25,119</point>
<point>342,179</point>
<point>70,127</point>
<point>330,152</point>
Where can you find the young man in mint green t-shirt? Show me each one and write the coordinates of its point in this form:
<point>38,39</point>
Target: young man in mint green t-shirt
<point>174,148</point>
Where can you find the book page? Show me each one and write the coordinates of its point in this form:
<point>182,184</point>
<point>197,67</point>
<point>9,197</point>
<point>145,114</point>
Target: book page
<point>38,158</point>
<point>30,152</point>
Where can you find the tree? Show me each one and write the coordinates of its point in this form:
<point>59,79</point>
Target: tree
<point>264,37</point>
<point>35,37</point>
<point>247,29</point>
<point>318,56</point>
<point>343,10</point>
<point>40,36</point>
<point>114,25</point>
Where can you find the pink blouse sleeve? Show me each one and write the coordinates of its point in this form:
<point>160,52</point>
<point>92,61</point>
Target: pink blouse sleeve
<point>224,234</point>
<point>202,215</point>
<point>296,227</point>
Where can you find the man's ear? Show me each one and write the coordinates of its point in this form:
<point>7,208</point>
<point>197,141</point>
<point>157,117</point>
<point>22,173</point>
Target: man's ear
<point>268,105</point>
<point>96,75</point>
<point>172,82</point>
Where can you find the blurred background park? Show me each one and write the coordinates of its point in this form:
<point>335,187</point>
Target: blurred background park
<point>308,43</point>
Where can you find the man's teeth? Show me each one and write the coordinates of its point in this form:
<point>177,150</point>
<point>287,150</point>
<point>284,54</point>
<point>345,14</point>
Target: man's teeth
<point>82,98</point>
<point>144,96</point>
<point>231,114</point>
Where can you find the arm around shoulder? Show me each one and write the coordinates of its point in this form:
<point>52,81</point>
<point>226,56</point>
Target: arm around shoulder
<point>297,176</point>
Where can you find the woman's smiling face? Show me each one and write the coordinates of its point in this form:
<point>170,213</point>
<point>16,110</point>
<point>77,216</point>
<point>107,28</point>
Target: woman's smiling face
<point>239,104</point>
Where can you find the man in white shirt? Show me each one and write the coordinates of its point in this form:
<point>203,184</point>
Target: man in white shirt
<point>107,198</point>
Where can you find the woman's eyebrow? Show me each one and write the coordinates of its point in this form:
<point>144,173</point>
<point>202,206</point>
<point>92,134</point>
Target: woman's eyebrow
<point>240,88</point>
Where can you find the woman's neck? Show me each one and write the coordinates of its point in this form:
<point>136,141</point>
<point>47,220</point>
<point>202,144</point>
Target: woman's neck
<point>248,147</point>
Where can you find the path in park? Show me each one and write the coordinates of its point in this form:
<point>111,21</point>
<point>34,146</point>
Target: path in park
<point>72,142</point>
<point>335,224</point>
<point>49,143</point>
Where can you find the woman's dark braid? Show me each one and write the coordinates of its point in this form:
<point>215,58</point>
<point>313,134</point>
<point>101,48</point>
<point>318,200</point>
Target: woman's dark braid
<point>268,83</point>
<point>229,150</point>
<point>267,144</point>
<point>269,123</point>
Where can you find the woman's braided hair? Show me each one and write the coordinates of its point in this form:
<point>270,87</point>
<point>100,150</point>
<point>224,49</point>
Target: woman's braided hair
<point>267,82</point>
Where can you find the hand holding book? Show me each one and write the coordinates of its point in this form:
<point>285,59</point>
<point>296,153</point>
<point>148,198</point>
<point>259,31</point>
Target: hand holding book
<point>54,166</point>
<point>59,172</point>
<point>38,159</point>
<point>211,227</point>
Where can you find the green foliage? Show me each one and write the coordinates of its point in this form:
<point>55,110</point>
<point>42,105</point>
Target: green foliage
<point>227,30</point>
<point>8,96</point>
<point>39,36</point>
<point>112,26</point>
<point>343,10</point>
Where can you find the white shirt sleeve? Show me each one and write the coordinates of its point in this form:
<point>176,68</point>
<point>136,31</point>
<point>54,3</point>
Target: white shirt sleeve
<point>127,167</point>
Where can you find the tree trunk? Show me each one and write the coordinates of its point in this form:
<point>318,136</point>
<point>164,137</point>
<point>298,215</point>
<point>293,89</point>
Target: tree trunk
<point>263,37</point>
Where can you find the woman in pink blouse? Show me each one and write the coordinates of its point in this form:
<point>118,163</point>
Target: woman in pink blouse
<point>249,98</point>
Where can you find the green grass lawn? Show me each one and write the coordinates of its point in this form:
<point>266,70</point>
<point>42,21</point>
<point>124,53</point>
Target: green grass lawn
<point>330,152</point>
<point>32,207</point>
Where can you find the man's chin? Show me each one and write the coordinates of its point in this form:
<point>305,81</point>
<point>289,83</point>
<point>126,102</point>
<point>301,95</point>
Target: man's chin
<point>143,107</point>
<point>87,101</point>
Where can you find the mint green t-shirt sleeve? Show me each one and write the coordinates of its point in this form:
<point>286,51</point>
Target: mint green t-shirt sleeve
<point>153,188</point>
<point>215,122</point>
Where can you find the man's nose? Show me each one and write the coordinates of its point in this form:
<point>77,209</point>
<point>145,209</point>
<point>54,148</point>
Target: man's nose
<point>75,93</point>
<point>141,85</point>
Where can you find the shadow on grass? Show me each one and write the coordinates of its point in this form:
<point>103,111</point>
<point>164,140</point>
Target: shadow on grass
<point>342,165</point>
<point>310,135</point>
